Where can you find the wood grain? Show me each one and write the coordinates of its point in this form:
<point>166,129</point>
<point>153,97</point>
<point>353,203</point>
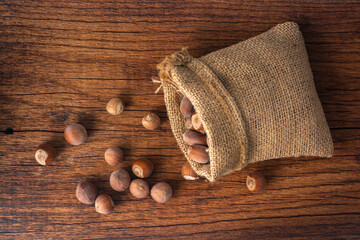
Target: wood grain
<point>61,61</point>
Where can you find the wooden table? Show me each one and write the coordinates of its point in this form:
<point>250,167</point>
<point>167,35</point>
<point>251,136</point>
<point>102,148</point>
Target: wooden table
<point>61,61</point>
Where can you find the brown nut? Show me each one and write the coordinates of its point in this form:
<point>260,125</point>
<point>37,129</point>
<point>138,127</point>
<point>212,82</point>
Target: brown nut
<point>188,173</point>
<point>120,180</point>
<point>139,188</point>
<point>188,124</point>
<point>142,168</point>
<point>161,192</point>
<point>186,108</point>
<point>199,153</point>
<point>86,192</point>
<point>193,138</point>
<point>75,134</point>
<point>197,123</point>
<point>151,121</point>
<point>114,155</point>
<point>115,106</point>
<point>255,182</point>
<point>44,154</point>
<point>104,204</point>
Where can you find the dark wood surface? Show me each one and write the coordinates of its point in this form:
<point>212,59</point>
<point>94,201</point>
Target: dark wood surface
<point>61,61</point>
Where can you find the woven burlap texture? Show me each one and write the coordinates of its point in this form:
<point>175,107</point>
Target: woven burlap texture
<point>257,99</point>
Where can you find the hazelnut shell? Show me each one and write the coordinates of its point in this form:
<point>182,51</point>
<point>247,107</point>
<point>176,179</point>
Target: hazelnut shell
<point>86,192</point>
<point>104,204</point>
<point>188,173</point>
<point>115,106</point>
<point>142,168</point>
<point>139,188</point>
<point>255,182</point>
<point>186,107</point>
<point>199,153</point>
<point>161,192</point>
<point>120,180</point>
<point>151,121</point>
<point>193,138</point>
<point>114,155</point>
<point>197,123</point>
<point>44,154</point>
<point>75,134</point>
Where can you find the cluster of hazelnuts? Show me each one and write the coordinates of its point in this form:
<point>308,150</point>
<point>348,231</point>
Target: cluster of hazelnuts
<point>195,136</point>
<point>120,180</point>
<point>198,150</point>
<point>86,191</point>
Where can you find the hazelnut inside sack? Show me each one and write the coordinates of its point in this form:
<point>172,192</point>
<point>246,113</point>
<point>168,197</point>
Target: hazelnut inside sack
<point>256,98</point>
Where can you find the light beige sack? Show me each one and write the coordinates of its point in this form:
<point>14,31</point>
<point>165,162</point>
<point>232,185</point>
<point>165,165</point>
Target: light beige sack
<point>257,99</point>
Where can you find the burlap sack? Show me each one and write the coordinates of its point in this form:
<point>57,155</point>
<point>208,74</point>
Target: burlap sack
<point>257,99</point>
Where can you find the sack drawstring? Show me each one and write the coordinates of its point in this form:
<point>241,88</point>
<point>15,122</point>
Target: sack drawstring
<point>177,59</point>
<point>157,80</point>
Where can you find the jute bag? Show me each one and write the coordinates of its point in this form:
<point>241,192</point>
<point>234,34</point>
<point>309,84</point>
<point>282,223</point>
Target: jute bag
<point>257,99</point>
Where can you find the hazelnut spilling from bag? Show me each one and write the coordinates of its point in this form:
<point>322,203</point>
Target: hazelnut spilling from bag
<point>256,99</point>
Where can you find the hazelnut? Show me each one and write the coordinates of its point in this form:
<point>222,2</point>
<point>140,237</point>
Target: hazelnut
<point>114,155</point>
<point>188,173</point>
<point>142,168</point>
<point>104,204</point>
<point>45,153</point>
<point>115,106</point>
<point>255,182</point>
<point>151,121</point>
<point>188,124</point>
<point>199,153</point>
<point>139,188</point>
<point>120,180</point>
<point>161,192</point>
<point>75,134</point>
<point>86,192</point>
<point>186,108</point>
<point>193,138</point>
<point>197,123</point>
